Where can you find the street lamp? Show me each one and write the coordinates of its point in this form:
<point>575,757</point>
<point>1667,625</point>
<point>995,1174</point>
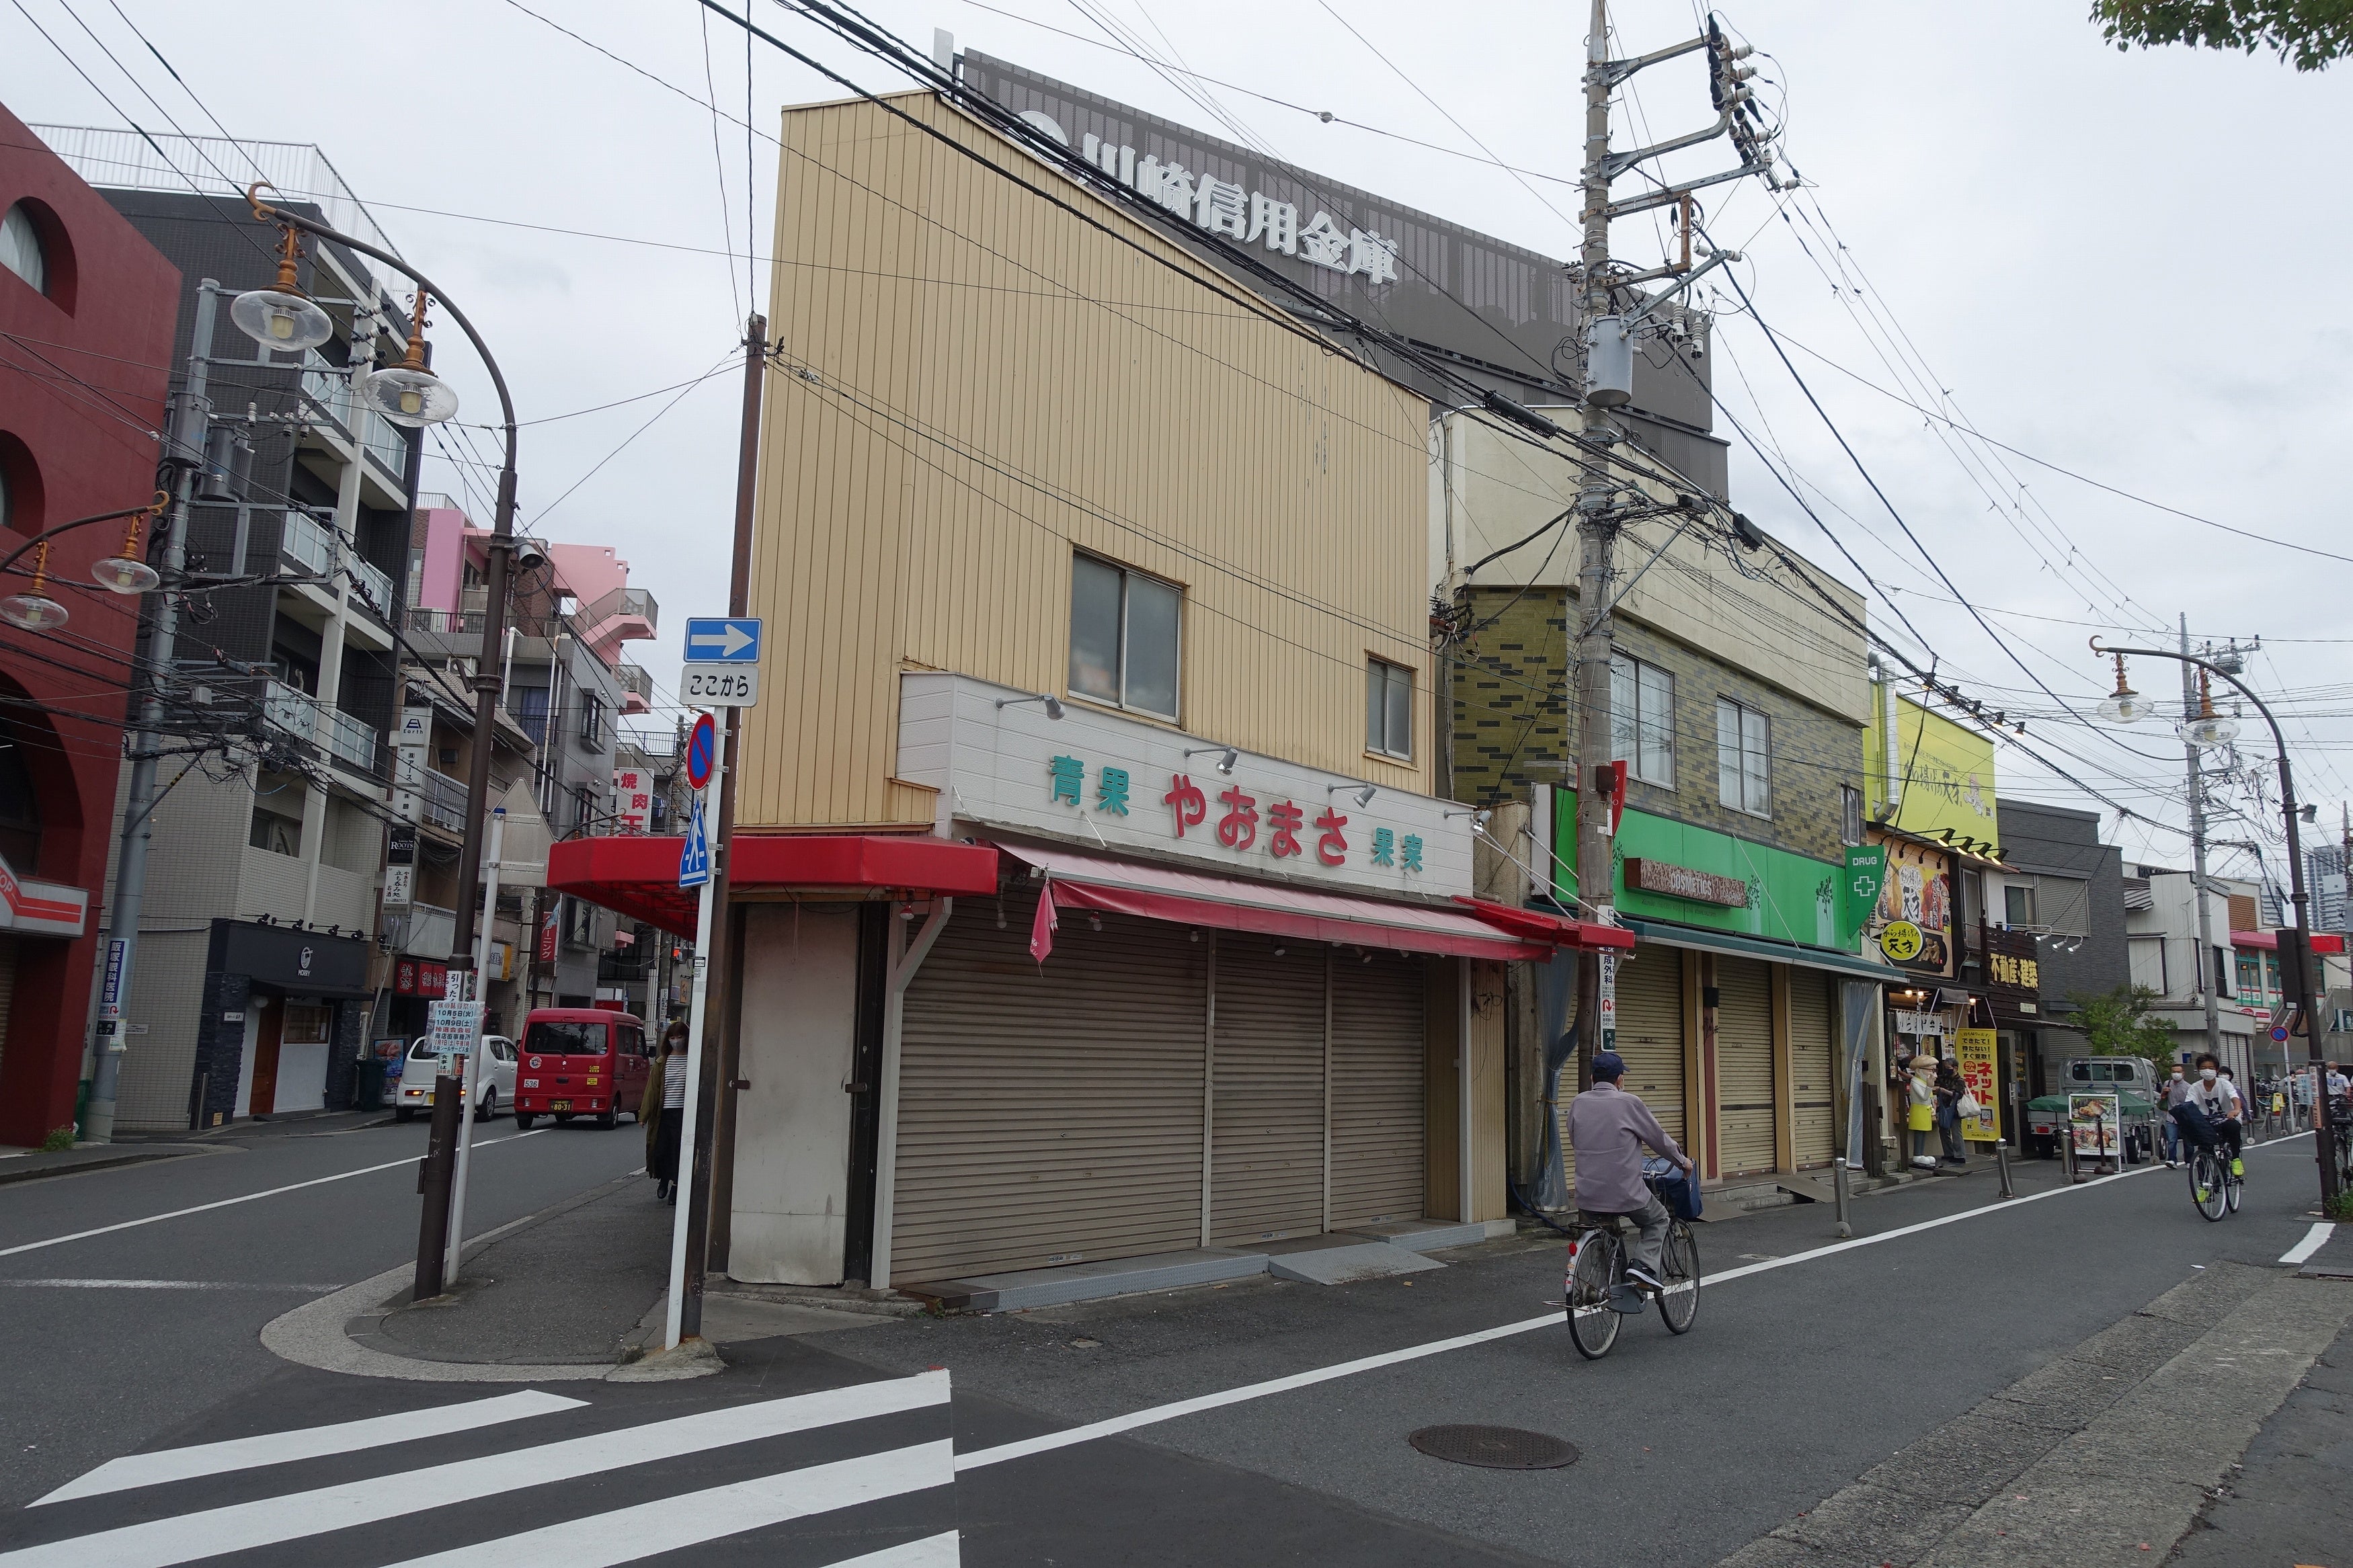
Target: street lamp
<point>2297,963</point>
<point>408,394</point>
<point>34,611</point>
<point>282,318</point>
<point>2208,727</point>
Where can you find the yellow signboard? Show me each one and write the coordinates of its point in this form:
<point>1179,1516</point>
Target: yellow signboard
<point>1900,939</point>
<point>1941,774</point>
<point>1973,1054</point>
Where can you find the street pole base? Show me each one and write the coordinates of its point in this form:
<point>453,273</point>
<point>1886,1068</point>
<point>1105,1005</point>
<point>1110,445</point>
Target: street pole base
<point>687,1358</point>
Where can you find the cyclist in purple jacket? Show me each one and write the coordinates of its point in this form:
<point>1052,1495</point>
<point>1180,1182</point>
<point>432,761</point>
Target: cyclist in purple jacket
<point>1606,1129</point>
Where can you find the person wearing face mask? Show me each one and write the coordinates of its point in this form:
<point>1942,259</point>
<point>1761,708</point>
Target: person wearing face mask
<point>2177,1089</point>
<point>2218,1099</point>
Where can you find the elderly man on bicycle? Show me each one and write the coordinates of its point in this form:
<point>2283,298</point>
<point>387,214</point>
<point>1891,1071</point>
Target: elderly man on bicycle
<point>1607,1130</point>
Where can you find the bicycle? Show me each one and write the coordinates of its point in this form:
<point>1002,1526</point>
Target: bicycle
<point>1598,1298</point>
<point>2214,1189</point>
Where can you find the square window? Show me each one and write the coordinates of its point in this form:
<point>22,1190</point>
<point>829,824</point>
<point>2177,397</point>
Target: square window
<point>1388,708</point>
<point>1642,721</point>
<point>2018,905</point>
<point>1125,638</point>
<point>1744,746</point>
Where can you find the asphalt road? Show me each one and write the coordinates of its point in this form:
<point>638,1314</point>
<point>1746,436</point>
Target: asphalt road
<point>1797,1377</point>
<point>99,1370</point>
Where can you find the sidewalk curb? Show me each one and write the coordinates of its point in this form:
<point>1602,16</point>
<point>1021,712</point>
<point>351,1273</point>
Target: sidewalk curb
<point>321,1333</point>
<point>130,1155</point>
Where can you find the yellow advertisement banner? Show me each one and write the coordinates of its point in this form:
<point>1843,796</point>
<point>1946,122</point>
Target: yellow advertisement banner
<point>1943,774</point>
<point>1973,1054</point>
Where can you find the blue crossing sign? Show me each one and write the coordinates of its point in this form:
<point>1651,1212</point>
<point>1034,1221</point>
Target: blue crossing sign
<point>723,640</point>
<point>694,856</point>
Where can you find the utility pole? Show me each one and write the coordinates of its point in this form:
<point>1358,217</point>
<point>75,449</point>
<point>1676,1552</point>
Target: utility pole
<point>2212,985</point>
<point>191,423</point>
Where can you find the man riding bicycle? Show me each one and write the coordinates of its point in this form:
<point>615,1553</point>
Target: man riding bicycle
<point>2217,1099</point>
<point>1607,1130</point>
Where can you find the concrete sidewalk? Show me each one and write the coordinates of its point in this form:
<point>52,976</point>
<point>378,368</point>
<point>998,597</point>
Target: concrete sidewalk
<point>33,1165</point>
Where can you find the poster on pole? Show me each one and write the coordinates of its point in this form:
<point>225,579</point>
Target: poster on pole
<point>1973,1054</point>
<point>451,1026</point>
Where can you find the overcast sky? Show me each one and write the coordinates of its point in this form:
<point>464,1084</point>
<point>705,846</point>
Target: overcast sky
<point>2105,260</point>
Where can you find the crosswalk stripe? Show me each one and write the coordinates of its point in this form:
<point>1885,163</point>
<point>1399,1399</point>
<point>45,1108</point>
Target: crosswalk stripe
<point>690,1518</point>
<point>933,1552</point>
<point>241,1527</point>
<point>2313,1240</point>
<point>309,1442</point>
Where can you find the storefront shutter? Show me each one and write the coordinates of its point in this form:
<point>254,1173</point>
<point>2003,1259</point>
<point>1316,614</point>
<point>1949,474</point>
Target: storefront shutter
<point>1743,1064</point>
<point>1650,1033</point>
<point>1813,1074</point>
<point>1267,1147</point>
<point>1377,1010</point>
<point>1049,1113</point>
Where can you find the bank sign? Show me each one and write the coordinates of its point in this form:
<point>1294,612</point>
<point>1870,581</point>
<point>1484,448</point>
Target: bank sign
<point>1105,782</point>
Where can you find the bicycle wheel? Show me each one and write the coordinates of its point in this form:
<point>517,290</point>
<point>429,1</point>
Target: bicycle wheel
<point>1592,1325</point>
<point>1679,1303</point>
<point>2234,1186</point>
<point>2206,1185</point>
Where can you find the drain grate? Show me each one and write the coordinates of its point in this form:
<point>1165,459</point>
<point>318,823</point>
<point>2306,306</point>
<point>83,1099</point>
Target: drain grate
<point>1495,1448</point>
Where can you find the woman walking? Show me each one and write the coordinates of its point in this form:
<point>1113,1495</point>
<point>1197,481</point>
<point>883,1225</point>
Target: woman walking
<point>662,1111</point>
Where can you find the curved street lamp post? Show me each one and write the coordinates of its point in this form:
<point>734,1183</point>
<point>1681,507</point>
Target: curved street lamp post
<point>2206,728</point>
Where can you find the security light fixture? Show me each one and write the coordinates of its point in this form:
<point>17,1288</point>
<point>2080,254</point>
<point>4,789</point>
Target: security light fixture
<point>282,317</point>
<point>1053,704</point>
<point>1229,756</point>
<point>1479,819</point>
<point>1363,795</point>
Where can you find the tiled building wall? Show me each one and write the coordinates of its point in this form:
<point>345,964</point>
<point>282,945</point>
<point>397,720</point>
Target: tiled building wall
<point>1511,729</point>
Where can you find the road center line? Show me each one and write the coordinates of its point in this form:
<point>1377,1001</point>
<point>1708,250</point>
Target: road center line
<point>246,1198</point>
<point>159,1285</point>
<point>1046,1442</point>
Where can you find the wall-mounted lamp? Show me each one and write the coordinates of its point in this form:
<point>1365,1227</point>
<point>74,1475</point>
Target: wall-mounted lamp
<point>1053,704</point>
<point>1479,817</point>
<point>1229,756</point>
<point>1363,794</point>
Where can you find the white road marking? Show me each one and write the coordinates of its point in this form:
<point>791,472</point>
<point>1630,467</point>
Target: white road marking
<point>690,1518</point>
<point>1046,1442</point>
<point>2314,1239</point>
<point>249,1197</point>
<point>243,1527</point>
<point>309,1442</point>
<point>932,1551</point>
<point>162,1285</point>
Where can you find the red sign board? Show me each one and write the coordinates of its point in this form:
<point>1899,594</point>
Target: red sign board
<point>419,977</point>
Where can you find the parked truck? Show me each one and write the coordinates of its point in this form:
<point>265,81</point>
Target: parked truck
<point>2132,1080</point>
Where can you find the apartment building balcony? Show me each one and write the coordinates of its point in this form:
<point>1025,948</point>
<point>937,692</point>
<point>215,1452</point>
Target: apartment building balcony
<point>337,733</point>
<point>315,556</point>
<point>327,389</point>
<point>636,689</point>
<point>625,615</point>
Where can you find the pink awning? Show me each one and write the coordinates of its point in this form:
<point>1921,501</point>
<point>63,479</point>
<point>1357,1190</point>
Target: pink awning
<point>1232,903</point>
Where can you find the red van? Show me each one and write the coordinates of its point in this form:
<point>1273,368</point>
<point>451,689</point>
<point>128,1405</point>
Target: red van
<point>580,1061</point>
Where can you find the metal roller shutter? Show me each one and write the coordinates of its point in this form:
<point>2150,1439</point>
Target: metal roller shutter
<point>1813,1078</point>
<point>1651,1033</point>
<point>1376,1088</point>
<point>1744,1066</point>
<point>1048,1114</point>
<point>8,990</point>
<point>1266,1145</point>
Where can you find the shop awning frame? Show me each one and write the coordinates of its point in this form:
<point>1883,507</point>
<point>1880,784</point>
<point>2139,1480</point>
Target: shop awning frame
<point>1076,882</point>
<point>1854,966</point>
<point>638,876</point>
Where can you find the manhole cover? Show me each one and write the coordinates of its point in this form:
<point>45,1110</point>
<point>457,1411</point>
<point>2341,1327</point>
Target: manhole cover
<point>1494,1447</point>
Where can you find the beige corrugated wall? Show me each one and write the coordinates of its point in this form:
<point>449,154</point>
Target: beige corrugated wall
<point>971,384</point>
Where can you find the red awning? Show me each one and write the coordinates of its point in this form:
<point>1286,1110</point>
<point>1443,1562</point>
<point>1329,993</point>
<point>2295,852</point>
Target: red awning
<point>638,876</point>
<point>1559,929</point>
<point>1233,903</point>
<point>2268,940</point>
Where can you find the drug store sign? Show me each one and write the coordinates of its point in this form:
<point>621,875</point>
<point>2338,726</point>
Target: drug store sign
<point>1104,781</point>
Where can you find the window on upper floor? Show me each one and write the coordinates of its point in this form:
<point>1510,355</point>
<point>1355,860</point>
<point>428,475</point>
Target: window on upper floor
<point>1849,814</point>
<point>592,719</point>
<point>1124,643</point>
<point>2018,905</point>
<point>1388,708</point>
<point>1642,721</point>
<point>2251,974</point>
<point>1744,749</point>
<point>21,251</point>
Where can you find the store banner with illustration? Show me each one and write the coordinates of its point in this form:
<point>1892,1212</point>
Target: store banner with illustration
<point>1942,777</point>
<point>1973,1053</point>
<point>1914,922</point>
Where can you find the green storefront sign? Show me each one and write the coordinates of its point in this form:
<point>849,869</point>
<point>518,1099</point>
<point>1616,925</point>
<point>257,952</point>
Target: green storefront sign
<point>1792,898</point>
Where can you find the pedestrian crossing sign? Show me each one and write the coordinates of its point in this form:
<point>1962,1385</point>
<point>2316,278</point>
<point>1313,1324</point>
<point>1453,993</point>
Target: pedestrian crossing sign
<point>694,857</point>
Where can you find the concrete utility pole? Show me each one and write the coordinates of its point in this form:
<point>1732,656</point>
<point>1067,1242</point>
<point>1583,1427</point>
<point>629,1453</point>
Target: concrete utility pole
<point>2212,984</point>
<point>1597,533</point>
<point>191,423</point>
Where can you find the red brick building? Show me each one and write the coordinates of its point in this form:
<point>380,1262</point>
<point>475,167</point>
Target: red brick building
<point>87,319</point>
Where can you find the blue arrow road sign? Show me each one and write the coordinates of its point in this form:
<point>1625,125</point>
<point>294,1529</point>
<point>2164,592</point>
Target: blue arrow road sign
<point>722,640</point>
<point>694,857</point>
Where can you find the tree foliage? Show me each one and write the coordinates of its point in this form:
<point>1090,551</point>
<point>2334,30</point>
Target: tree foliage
<point>2118,1023</point>
<point>2307,33</point>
